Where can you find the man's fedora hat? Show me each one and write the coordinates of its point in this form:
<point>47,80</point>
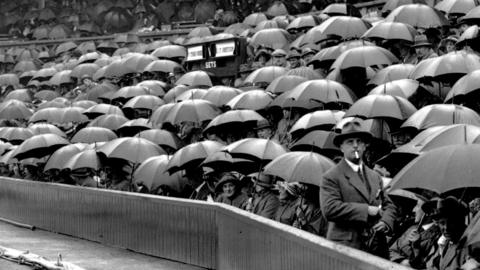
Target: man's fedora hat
<point>352,129</point>
<point>421,41</point>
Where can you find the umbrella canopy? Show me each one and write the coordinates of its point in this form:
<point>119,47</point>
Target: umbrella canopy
<point>166,66</point>
<point>418,16</point>
<point>195,78</point>
<point>472,16</point>
<point>101,109</point>
<point>316,93</point>
<point>129,92</point>
<point>132,127</point>
<point>136,62</point>
<point>254,18</point>
<point>404,88</point>
<point>44,128</point>
<point>392,73</point>
<point>98,90</point>
<point>9,79</point>
<point>190,94</point>
<point>391,31</point>
<point>46,95</point>
<point>160,114</point>
<point>39,146</point>
<point>449,67</point>
<point>14,109</point>
<point>87,69</point>
<point>144,102</point>
<point>265,75</point>
<point>220,95</point>
<point>441,170</point>
<point>170,51</point>
<point>327,56</point>
<point>135,150</point>
<point>318,141</point>
<point>195,110</point>
<point>163,138</point>
<point>382,106</point>
<point>85,159</point>
<point>365,56</point>
<point>156,88</point>
<point>342,27</point>
<point>284,83</point>
<point>442,114</point>
<point>324,120</point>
<point>304,167</point>
<point>20,95</point>
<point>15,135</point>
<point>65,47</point>
<point>467,85</point>
<point>23,66</point>
<point>339,9</point>
<point>91,57</point>
<point>233,118</point>
<point>192,155</point>
<point>110,121</point>
<point>303,22</point>
<point>152,174</point>
<point>58,159</point>
<point>93,135</point>
<point>61,77</point>
<point>273,37</point>
<point>393,4</point>
<point>251,100</point>
<point>305,72</point>
<point>259,150</point>
<point>457,7</point>
<point>44,74</point>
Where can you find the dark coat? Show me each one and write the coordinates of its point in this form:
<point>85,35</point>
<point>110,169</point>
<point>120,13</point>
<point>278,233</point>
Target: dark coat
<point>417,253</point>
<point>344,201</point>
<point>265,204</point>
<point>286,211</point>
<point>453,257</point>
<point>239,200</point>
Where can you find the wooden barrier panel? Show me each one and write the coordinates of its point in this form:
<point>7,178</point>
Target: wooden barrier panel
<point>209,235</point>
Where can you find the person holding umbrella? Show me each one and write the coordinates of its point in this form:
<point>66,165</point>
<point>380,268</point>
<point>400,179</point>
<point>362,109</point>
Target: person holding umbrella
<point>230,192</point>
<point>352,198</point>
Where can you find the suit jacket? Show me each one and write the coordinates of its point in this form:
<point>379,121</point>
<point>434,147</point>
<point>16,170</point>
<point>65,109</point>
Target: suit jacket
<point>344,200</point>
<point>265,204</point>
<point>452,258</point>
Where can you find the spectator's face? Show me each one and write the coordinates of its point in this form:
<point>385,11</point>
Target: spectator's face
<point>228,189</point>
<point>400,139</point>
<point>450,46</point>
<point>279,60</point>
<point>294,62</point>
<point>307,58</point>
<point>350,146</point>
<point>264,133</point>
<point>422,51</point>
<point>452,227</point>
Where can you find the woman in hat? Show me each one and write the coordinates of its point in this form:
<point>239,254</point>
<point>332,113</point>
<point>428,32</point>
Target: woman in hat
<point>230,191</point>
<point>288,197</point>
<point>264,201</point>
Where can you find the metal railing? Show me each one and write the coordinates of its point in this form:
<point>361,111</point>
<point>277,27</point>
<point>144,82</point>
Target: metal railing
<point>204,234</point>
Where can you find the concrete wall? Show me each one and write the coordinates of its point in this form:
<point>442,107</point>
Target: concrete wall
<point>208,235</point>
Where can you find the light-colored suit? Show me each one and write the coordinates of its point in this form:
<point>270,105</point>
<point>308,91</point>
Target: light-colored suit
<point>344,200</point>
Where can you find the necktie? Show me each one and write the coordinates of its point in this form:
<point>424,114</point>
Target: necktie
<point>364,179</point>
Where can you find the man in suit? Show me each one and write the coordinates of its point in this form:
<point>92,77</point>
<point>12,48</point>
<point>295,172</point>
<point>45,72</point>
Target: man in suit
<point>352,197</point>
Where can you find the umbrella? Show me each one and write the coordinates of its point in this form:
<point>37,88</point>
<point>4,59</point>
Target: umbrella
<point>191,94</point>
<point>98,90</point>
<point>441,170</point>
<point>254,18</point>
<point>467,85</point>
<point>366,56</point>
<point>14,109</point>
<point>85,104</point>
<point>9,79</point>
<point>265,75</point>
<point>156,88</point>
<point>382,106</point>
<point>284,83</point>
<point>232,119</point>
<point>159,115</point>
<point>59,102</point>
<point>470,33</point>
<point>450,66</point>
<point>20,95</point>
<point>392,73</point>
<point>93,135</point>
<point>23,66</point>
<point>268,24</point>
<point>319,141</point>
<point>457,7</point>
<point>305,72</point>
<point>136,62</point>
<point>44,128</point>
<point>89,58</point>
<point>144,102</point>
<point>134,126</point>
<point>129,92</point>
<point>110,121</point>
<point>393,4</point>
<point>472,16</point>
<point>61,77</point>
<point>58,159</point>
<point>116,69</point>
<point>303,22</point>
<point>46,95</point>
<point>342,27</point>
<point>175,92</point>
<point>162,137</point>
<point>304,167</point>
<point>192,155</point>
<point>152,175</point>
<point>314,93</point>
<point>251,100</point>
<point>339,9</point>
<point>70,115</point>
<point>195,110</point>
<point>101,109</point>
<point>170,51</point>
<point>65,47</point>
<point>166,66</point>
<point>442,114</point>
<point>39,146</point>
<point>220,95</point>
<point>259,150</point>
<point>404,88</point>
<point>85,159</point>
<point>327,56</point>
<point>59,31</point>
<point>44,74</point>
<point>195,78</point>
<point>135,150</point>
<point>324,120</point>
<point>15,135</point>
<point>87,69</point>
<point>391,31</point>
<point>418,16</point>
<point>377,127</point>
<point>274,38</point>
<point>200,31</point>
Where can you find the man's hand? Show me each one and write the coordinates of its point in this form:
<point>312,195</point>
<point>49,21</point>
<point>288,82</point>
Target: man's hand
<point>413,236</point>
<point>373,210</point>
<point>380,227</point>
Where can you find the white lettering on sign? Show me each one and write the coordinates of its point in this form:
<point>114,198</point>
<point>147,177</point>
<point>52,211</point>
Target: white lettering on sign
<point>210,64</point>
<point>195,53</point>
<point>225,49</point>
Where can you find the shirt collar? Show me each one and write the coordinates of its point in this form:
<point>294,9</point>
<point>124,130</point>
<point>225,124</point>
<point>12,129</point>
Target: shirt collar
<point>355,167</point>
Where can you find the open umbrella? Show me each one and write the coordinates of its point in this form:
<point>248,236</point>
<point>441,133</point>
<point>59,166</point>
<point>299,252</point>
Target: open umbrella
<point>14,109</point>
<point>382,106</point>
<point>164,138</point>
<point>192,155</point>
<point>404,88</point>
<point>136,62</point>
<point>135,150</point>
<point>159,116</point>
<point>15,135</point>
<point>442,114</point>
<point>152,175</point>
<point>265,75</point>
<point>61,77</point>
<point>322,120</point>
<point>284,83</point>
<point>393,4</point>
<point>132,127</point>
<point>254,18</point>
<point>89,58</point>
<point>144,102</point>
<point>156,88</point>
<point>86,69</point>
<point>93,135</point>
<point>20,95</point>
<point>392,73</point>
<point>303,22</point>
<point>87,158</point>
<point>305,72</point>
<point>274,38</point>
<point>195,78</point>
<point>318,141</point>
<point>190,94</point>
<point>44,128</point>
<point>23,66</point>
<point>195,110</point>
<point>58,159</point>
<point>39,146</point>
<point>304,167</point>
<point>129,92</point>
<point>233,119</point>
<point>166,66</point>
<point>365,56</point>
<point>220,95</point>
<point>170,52</point>
<point>110,121</point>
<point>340,9</point>
<point>65,47</point>
<point>342,27</point>
<point>259,150</point>
<point>101,109</point>
<point>418,16</point>
<point>391,31</point>
<point>98,90</point>
<point>464,87</point>
<point>9,79</point>
<point>44,74</point>
<point>327,56</point>
<point>251,100</point>
<point>46,95</point>
<point>457,7</point>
